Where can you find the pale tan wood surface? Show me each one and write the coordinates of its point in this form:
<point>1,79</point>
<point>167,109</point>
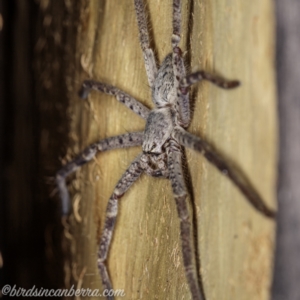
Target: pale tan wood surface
<point>234,39</point>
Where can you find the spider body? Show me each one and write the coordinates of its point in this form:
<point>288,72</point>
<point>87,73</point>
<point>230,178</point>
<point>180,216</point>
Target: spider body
<point>162,144</point>
<point>161,122</point>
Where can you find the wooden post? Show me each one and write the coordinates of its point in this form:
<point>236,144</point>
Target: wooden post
<point>235,242</point>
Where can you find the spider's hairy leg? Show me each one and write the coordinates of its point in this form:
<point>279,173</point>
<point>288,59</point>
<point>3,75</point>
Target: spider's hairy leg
<point>176,23</point>
<point>227,168</point>
<point>190,79</point>
<point>129,177</point>
<point>182,102</point>
<point>150,63</point>
<point>121,141</point>
<point>121,96</point>
<point>187,242</point>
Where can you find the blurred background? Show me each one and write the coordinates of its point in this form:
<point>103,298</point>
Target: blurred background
<point>29,216</point>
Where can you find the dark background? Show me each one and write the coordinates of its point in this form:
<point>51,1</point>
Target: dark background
<point>30,227</point>
<point>31,231</point>
<point>22,216</point>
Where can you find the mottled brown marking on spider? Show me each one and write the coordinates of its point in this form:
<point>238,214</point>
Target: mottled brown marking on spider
<point>162,145</point>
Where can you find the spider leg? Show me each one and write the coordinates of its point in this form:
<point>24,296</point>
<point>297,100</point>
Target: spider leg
<point>183,82</point>
<point>121,141</point>
<point>190,79</point>
<point>150,64</point>
<point>227,168</point>
<point>129,177</point>
<point>121,96</point>
<point>186,81</point>
<point>183,103</point>
<point>176,23</point>
<point>186,234</point>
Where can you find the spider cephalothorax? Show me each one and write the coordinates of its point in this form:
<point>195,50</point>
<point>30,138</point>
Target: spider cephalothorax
<point>162,144</point>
